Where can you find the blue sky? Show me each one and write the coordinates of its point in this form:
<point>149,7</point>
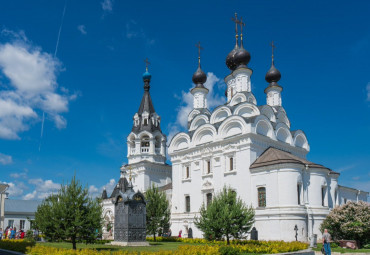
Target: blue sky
<point>91,86</point>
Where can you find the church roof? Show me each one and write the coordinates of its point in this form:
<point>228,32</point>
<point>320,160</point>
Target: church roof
<point>146,104</point>
<point>121,186</point>
<point>273,156</point>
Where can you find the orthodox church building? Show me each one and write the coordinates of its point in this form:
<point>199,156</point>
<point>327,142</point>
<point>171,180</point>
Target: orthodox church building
<point>242,145</point>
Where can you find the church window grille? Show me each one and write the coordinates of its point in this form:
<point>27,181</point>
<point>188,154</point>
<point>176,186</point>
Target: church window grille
<point>209,199</point>
<point>187,203</point>
<point>231,163</point>
<point>299,193</point>
<point>262,197</point>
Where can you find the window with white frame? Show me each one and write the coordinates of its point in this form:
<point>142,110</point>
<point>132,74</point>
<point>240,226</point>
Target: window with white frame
<point>208,166</point>
<point>261,196</point>
<point>187,172</point>
<point>230,163</point>
<point>323,194</point>
<point>11,223</point>
<point>187,203</point>
<point>299,192</point>
<point>22,223</point>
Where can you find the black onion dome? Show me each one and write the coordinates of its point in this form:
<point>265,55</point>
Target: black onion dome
<point>242,57</point>
<point>273,75</point>
<point>199,77</point>
<point>230,59</point>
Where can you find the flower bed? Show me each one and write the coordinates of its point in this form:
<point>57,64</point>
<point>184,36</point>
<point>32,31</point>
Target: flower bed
<point>19,245</point>
<point>238,247</point>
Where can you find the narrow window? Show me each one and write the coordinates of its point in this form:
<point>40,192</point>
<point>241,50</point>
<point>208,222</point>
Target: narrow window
<point>323,196</point>
<point>187,203</point>
<point>345,200</point>
<point>299,193</point>
<point>209,199</point>
<point>145,122</point>
<point>208,166</point>
<point>262,197</point>
<point>10,223</point>
<point>21,224</point>
<point>231,163</point>
<point>335,197</point>
<point>187,174</point>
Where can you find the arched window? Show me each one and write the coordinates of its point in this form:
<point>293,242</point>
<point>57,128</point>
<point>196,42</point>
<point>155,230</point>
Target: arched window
<point>145,141</point>
<point>209,199</point>
<point>261,197</point>
<point>231,159</point>
<point>187,204</point>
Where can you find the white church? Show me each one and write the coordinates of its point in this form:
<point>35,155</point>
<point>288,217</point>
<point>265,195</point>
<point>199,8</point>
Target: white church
<point>242,145</point>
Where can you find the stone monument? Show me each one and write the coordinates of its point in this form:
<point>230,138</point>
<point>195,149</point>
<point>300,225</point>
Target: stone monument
<point>130,218</point>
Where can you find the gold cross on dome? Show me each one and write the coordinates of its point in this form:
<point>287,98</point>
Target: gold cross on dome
<point>199,49</point>
<point>272,49</point>
<point>130,174</point>
<point>147,63</point>
<point>241,23</point>
<point>235,19</point>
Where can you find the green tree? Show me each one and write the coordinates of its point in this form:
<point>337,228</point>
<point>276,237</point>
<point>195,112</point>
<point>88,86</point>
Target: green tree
<point>225,217</point>
<point>70,215</point>
<point>157,212</point>
<point>350,221</point>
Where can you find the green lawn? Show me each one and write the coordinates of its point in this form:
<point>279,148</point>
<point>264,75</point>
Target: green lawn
<point>154,246</point>
<point>342,250</point>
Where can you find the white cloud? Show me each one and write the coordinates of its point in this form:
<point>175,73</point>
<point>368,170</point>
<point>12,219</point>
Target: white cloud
<point>13,189</point>
<point>82,29</point>
<point>96,192</point>
<point>134,31</point>
<point>107,5</point>
<point>43,188</point>
<point>22,175</point>
<point>346,168</point>
<point>30,86</point>
<point>368,92</point>
<point>5,159</point>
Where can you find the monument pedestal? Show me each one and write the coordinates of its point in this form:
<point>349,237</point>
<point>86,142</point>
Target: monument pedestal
<point>129,243</point>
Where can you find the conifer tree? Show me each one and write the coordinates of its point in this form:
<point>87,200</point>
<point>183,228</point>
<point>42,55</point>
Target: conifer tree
<point>225,217</point>
<point>157,212</point>
<point>71,215</point>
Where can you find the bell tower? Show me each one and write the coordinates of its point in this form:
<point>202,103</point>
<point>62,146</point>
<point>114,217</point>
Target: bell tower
<point>146,144</point>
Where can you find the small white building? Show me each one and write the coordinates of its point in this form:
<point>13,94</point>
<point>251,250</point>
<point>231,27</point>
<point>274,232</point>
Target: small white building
<point>20,213</point>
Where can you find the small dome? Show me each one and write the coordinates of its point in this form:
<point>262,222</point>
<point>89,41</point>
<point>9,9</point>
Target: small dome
<point>230,59</point>
<point>147,76</point>
<point>273,75</point>
<point>199,77</point>
<point>242,57</point>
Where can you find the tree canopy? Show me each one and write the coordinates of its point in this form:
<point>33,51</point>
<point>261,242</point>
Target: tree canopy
<point>157,212</point>
<point>225,217</point>
<point>350,221</point>
<point>70,215</point>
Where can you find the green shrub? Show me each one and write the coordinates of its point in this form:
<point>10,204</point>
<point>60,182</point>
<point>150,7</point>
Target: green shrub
<point>19,245</point>
<point>228,250</point>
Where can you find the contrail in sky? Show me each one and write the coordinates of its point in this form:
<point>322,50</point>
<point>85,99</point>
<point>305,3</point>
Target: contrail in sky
<point>55,54</point>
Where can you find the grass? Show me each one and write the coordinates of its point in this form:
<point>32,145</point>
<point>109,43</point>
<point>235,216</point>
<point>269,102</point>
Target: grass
<point>342,250</point>
<point>154,246</point>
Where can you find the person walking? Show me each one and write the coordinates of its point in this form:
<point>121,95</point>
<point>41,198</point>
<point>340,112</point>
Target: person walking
<point>326,242</point>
